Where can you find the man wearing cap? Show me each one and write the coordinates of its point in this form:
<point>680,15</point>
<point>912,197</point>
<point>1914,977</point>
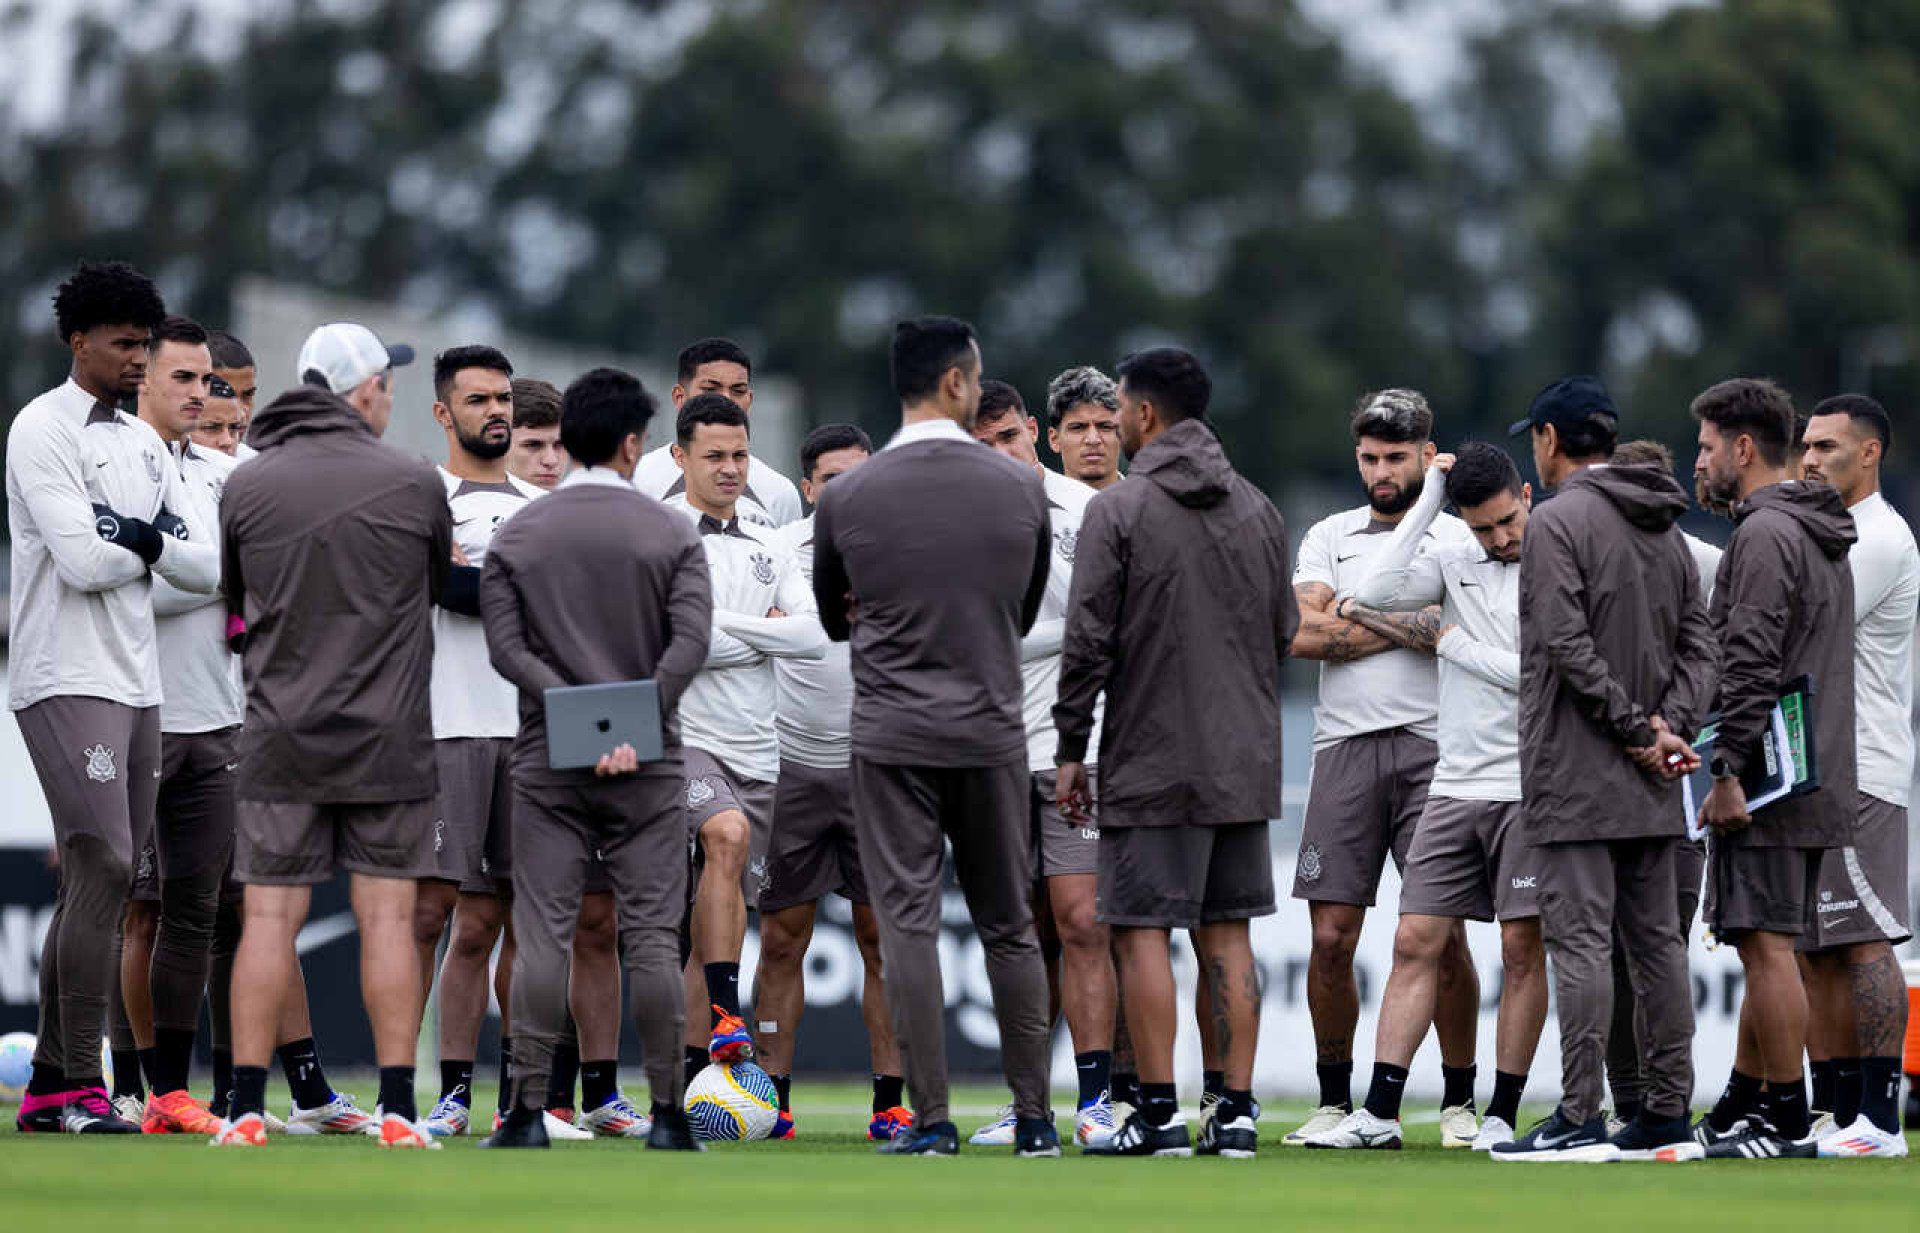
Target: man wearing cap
<point>334,550</point>
<point>1617,665</point>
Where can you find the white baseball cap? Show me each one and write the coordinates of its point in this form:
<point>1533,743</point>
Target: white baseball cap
<point>345,355</point>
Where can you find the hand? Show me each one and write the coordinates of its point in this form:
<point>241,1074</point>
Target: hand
<point>622,761</point>
<point>129,533</point>
<point>459,557</point>
<point>1446,629</point>
<point>1071,795</point>
<point>236,633</point>
<point>1726,807</point>
<point>853,608</point>
<point>170,524</point>
<point>1443,463</point>
<point>775,611</point>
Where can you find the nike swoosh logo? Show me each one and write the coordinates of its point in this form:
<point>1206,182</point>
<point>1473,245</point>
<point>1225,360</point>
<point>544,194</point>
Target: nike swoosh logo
<point>233,766</point>
<point>1545,1141</point>
<point>327,929</point>
<point>102,464</point>
<point>1465,583</point>
<point>1350,556</point>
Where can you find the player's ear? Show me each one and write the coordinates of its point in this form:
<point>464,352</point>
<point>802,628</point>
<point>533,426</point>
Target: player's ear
<point>679,455</point>
<point>1428,453</point>
<point>678,393</point>
<point>1526,496</point>
<point>442,414</point>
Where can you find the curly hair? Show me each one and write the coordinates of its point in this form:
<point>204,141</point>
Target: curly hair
<point>106,293</point>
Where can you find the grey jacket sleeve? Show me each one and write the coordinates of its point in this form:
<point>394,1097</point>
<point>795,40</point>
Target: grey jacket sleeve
<point>1696,663</point>
<point>1286,612</point>
<point>504,619</point>
<point>1553,583</point>
<point>1093,626</point>
<point>689,624</point>
<point>830,582</point>
<point>1758,578</point>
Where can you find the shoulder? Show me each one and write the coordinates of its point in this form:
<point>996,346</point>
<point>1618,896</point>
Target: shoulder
<point>1337,524</point>
<point>1449,529</point>
<point>39,422</point>
<point>528,492</point>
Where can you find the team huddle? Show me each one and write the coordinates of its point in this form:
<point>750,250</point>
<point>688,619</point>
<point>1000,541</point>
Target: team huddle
<point>248,650</point>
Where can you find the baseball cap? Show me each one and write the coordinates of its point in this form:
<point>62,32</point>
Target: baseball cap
<point>345,355</point>
<point>1570,400</point>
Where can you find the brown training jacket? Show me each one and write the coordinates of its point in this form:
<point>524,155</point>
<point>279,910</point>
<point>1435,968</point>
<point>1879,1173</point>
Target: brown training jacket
<point>334,548</point>
<point>1783,608</point>
<point>1181,610</point>
<point>1612,633</point>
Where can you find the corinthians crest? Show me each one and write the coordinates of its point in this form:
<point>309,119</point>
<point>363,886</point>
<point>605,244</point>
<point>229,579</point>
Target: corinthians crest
<point>1065,541</point>
<point>100,767</point>
<point>762,568</point>
<point>1310,868</point>
<point>153,465</point>
<point>699,791</point>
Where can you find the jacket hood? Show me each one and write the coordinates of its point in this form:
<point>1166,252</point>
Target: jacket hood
<point>1648,497</point>
<point>1186,460</point>
<point>1816,507</point>
<point>304,409</point>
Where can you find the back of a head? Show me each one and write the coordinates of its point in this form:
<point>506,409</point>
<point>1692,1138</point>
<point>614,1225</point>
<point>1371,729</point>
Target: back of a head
<point>708,409</point>
<point>536,403</point>
<point>923,350</point>
<point>1170,378</point>
<point>1396,416</point>
<point>1642,453</point>
<point>1867,415</point>
<point>1479,473</point>
<point>106,293</point>
<point>228,352</point>
<point>710,351</point>
<point>1753,407</point>
<point>601,409</point>
<point>1585,421</point>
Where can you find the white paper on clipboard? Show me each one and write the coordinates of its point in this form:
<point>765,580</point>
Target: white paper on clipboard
<point>1778,778</point>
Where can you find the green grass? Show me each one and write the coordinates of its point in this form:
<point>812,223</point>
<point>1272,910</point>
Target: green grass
<point>829,1179</point>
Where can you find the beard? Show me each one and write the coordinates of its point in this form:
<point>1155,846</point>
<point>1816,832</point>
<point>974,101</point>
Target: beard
<point>480,446</point>
<point>1400,501</point>
<point>1714,497</point>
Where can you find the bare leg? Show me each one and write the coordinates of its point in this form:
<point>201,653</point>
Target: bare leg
<point>503,973</point>
<point>390,980</point>
<point>1148,969</point>
<point>884,1049</point>
<point>719,912</point>
<point>262,967</point>
<point>1777,1002</point>
<point>296,1021</point>
<point>593,988</point>
<point>1456,1013</point>
<point>1407,1006</point>
<point>1333,995</point>
<point>1523,996</point>
<point>1088,990</point>
<point>477,921</point>
<point>779,993</point>
<point>1228,956</point>
<point>1202,1015</point>
<point>433,909</point>
<point>138,930</point>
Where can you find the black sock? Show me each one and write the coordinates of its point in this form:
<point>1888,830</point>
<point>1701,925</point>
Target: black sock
<point>1095,1069</point>
<point>1336,1084</point>
<point>1213,1083</point>
<point>598,1082</point>
<point>1384,1093</point>
<point>249,1091</point>
<point>1823,1076</point>
<point>1158,1103</point>
<point>1234,1102</point>
<point>565,1072</point>
<point>1126,1088</point>
<point>49,1080</point>
<point>1505,1104</point>
<point>888,1092</point>
<point>505,1102</point>
<point>172,1058</point>
<point>1627,1110</point>
<point>456,1080</point>
<point>723,987</point>
<point>222,1081</point>
<point>148,1061</point>
<point>1741,1097</point>
<point>1848,1086</point>
<point>1787,1107</point>
<point>696,1061</point>
<point>1880,1092</point>
<point>1458,1085</point>
<point>396,1092</point>
<point>783,1084</point>
<point>126,1075</point>
<point>300,1062</point>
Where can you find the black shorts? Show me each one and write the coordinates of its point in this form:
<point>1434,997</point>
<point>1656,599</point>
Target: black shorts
<point>1177,877</point>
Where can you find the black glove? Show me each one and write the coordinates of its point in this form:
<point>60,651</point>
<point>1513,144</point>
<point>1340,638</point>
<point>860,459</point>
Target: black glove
<point>129,533</point>
<point>170,524</point>
<point>461,594</point>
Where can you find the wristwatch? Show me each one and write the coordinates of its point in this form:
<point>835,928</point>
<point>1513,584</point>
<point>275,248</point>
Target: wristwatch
<point>1719,768</point>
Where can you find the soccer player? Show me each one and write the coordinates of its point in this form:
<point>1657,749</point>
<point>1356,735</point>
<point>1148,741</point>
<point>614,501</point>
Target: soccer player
<point>334,550</point>
<point>1373,755</point>
<point>90,499</point>
<point>219,424</point>
<point>813,850</point>
<point>932,561</point>
<point>719,366</point>
<point>1068,855</point>
<point>1784,591</point>
<point>537,455</point>
<point>1180,614</point>
<point>1470,858</point>
<point>233,366</point>
<point>1083,426</point>
<point>1616,667</point>
<point>1857,1002</point>
<point>762,610</point>
<point>590,585</point>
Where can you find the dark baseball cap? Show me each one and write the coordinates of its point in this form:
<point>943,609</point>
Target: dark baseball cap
<point>1570,400</point>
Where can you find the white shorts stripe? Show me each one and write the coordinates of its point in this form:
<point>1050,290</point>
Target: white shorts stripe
<point>1883,919</point>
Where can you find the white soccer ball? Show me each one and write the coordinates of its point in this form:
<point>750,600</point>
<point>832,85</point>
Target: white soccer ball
<point>732,1102</point>
<point>16,1066</point>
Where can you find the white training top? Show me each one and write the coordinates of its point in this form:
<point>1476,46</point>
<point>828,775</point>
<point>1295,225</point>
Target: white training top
<point>82,612</point>
<point>200,676</point>
<point>1886,593</point>
<point>1706,562</point>
<point>1479,657</point>
<point>1067,501</point>
<point>730,706</point>
<point>1396,688</point>
<point>770,499</point>
<point>470,699</point>
<point>814,714</point>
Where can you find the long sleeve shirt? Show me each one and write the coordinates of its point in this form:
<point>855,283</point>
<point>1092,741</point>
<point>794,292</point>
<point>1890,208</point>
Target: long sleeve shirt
<point>199,671</point>
<point>814,713</point>
<point>1067,501</point>
<point>1886,595</point>
<point>470,699</point>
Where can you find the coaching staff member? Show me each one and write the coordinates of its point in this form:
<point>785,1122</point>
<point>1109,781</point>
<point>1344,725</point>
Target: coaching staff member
<point>1181,610</point>
<point>931,558</point>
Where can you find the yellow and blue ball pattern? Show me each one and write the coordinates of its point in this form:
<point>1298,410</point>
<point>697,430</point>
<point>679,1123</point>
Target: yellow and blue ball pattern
<point>737,1102</point>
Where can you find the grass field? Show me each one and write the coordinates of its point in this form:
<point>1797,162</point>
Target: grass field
<point>828,1179</point>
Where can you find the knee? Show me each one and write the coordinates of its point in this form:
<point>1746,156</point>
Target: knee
<point>651,952</point>
<point>596,933</point>
<point>473,935</point>
<point>142,923</point>
<point>1419,942</point>
<point>1334,941</point>
<point>1521,955</point>
<point>781,945</point>
<point>724,838</point>
<point>429,918</point>
<point>1080,928</point>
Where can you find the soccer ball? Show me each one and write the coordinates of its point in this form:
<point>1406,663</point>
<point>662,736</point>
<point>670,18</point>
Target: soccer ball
<point>732,1102</point>
<point>16,1066</point>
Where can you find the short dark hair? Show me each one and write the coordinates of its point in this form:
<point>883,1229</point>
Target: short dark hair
<point>1593,437</point>
<point>923,350</point>
<point>710,351</point>
<point>1077,385</point>
<point>599,410</point>
<point>997,398</point>
<point>1861,410</point>
<point>106,293</point>
<point>456,360</point>
<point>228,351</point>
<point>826,439</point>
<point>1400,416</point>
<point>176,329</point>
<point>1170,378</point>
<point>708,409</point>
<point>1479,473</point>
<point>1642,453</point>
<point>1754,406</point>
<point>536,403</point>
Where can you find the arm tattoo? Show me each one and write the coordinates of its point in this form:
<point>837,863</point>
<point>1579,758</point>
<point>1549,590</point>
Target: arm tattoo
<point>1324,636</point>
<point>1413,631</point>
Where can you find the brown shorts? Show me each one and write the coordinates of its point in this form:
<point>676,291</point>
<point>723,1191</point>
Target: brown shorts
<point>99,767</point>
<point>813,850</point>
<point>472,843</point>
<point>1862,896</point>
<point>1765,890</point>
<point>1471,860</point>
<point>194,818</point>
<point>1365,795</point>
<point>1177,877</point>
<point>1063,849</point>
<point>298,843</point>
<point>713,788</point>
